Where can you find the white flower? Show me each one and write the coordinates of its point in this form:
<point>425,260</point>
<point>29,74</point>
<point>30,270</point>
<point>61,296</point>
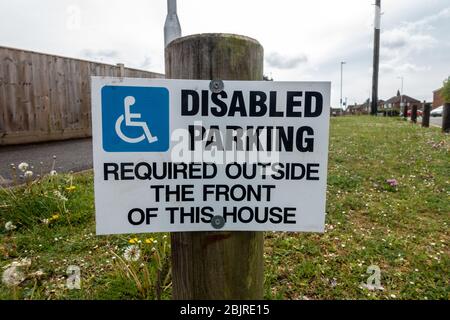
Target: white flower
<point>23,166</point>
<point>37,274</point>
<point>45,221</point>
<point>25,262</point>
<point>12,277</point>
<point>9,226</point>
<point>53,173</point>
<point>28,174</point>
<point>59,195</point>
<point>132,253</point>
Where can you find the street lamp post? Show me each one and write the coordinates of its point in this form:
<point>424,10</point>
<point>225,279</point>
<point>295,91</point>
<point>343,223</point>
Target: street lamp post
<point>342,77</point>
<point>172,28</point>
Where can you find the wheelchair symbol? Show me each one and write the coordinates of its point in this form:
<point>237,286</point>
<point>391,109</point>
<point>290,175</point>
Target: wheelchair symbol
<point>130,121</point>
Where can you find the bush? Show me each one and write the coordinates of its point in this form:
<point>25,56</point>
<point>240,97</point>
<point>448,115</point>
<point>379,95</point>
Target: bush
<point>446,90</point>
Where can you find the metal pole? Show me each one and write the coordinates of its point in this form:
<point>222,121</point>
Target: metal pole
<point>376,58</point>
<point>172,28</point>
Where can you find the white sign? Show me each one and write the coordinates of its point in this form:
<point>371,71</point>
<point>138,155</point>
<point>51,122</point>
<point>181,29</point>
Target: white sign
<point>196,155</point>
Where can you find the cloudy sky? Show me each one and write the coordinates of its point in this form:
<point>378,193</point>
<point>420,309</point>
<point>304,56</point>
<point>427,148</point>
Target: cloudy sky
<point>303,39</point>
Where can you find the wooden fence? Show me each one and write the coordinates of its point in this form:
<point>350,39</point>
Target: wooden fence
<point>46,97</point>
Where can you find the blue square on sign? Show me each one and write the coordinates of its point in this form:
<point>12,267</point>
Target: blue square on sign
<point>135,119</point>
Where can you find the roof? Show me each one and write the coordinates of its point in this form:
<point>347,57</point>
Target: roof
<point>366,104</point>
<point>404,98</point>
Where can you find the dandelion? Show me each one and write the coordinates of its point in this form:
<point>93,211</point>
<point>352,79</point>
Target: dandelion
<point>28,174</point>
<point>71,188</point>
<point>55,217</point>
<point>149,241</point>
<point>23,166</point>
<point>12,277</point>
<point>133,240</point>
<point>132,253</point>
<point>9,226</point>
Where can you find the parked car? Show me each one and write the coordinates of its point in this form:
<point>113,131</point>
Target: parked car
<point>419,113</point>
<point>437,112</point>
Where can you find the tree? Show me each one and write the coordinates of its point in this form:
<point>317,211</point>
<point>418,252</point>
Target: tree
<point>446,90</point>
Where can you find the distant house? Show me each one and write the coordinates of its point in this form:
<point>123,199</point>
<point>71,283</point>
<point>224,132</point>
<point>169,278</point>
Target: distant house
<point>393,104</point>
<point>336,112</point>
<point>359,108</point>
<point>438,100</point>
<point>363,108</point>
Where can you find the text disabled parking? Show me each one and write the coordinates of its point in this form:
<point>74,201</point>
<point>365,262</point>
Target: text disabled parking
<point>172,155</point>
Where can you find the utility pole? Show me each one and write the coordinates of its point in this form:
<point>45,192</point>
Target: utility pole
<point>342,78</point>
<point>172,28</point>
<point>401,95</point>
<point>376,58</point>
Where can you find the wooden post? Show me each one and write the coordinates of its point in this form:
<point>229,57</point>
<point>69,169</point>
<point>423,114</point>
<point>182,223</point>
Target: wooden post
<point>216,265</point>
<point>426,114</point>
<point>121,67</point>
<point>414,114</point>
<point>405,111</point>
<point>446,118</point>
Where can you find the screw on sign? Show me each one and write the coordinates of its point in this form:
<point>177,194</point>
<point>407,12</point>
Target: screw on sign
<point>216,86</point>
<point>218,222</point>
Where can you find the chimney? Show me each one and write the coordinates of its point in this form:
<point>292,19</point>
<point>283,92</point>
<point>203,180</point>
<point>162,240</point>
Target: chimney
<point>172,28</point>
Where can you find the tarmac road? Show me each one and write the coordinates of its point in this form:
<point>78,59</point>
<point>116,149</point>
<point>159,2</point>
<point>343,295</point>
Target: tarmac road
<point>436,121</point>
<point>71,155</point>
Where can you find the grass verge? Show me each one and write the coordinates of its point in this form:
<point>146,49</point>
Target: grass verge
<point>397,229</point>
